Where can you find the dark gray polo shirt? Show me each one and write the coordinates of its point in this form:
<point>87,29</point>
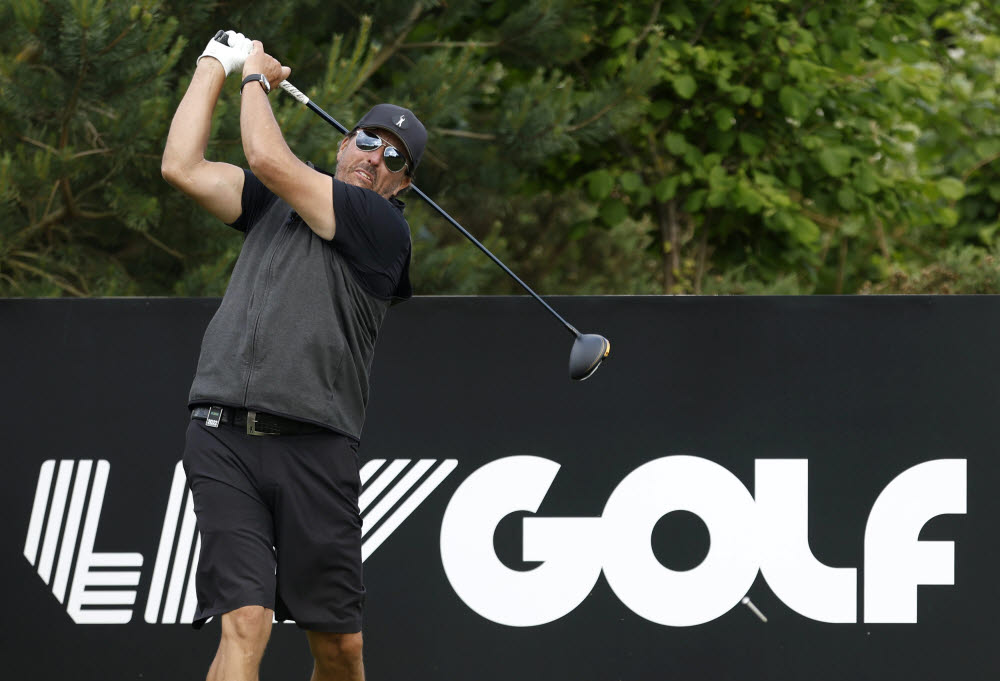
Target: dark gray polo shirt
<point>295,333</point>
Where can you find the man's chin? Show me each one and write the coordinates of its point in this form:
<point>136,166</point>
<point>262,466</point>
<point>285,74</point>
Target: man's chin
<point>356,180</point>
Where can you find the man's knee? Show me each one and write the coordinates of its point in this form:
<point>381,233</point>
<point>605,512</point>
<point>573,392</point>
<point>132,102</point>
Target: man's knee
<point>250,625</point>
<point>333,651</point>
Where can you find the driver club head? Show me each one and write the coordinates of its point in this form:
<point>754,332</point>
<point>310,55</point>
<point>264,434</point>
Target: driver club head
<point>589,350</point>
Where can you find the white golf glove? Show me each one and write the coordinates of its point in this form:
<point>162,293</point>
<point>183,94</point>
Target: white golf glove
<point>231,56</point>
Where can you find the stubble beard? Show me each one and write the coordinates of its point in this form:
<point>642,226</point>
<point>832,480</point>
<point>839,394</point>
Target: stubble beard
<point>350,176</point>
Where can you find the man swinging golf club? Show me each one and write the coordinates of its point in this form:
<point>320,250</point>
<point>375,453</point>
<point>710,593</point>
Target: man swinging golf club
<point>278,400</point>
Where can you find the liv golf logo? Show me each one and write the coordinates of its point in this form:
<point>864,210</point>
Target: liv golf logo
<point>70,495</point>
<point>765,533</point>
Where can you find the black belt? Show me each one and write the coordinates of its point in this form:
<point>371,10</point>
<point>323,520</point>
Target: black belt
<point>255,422</point>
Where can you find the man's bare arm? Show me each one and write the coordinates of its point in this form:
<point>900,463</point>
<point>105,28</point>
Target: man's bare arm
<point>308,191</point>
<point>217,187</point>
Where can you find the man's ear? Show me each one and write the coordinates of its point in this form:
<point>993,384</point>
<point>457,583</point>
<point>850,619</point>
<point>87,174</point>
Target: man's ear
<point>343,145</point>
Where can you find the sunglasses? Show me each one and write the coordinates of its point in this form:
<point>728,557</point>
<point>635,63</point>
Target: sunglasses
<point>366,141</point>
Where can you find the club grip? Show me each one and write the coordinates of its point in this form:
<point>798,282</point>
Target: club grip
<point>222,38</point>
<point>294,92</point>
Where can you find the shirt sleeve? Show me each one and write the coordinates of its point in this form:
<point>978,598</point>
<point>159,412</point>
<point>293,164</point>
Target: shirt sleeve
<point>256,200</point>
<point>374,238</point>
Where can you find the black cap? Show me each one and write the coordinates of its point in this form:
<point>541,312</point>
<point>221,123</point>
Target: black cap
<point>406,126</point>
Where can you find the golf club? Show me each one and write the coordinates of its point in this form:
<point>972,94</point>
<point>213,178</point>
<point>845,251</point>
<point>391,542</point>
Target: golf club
<point>588,350</point>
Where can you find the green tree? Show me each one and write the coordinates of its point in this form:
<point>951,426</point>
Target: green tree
<point>759,146</point>
<point>789,143</point>
<point>82,118</point>
<point>959,147</point>
<point>504,88</point>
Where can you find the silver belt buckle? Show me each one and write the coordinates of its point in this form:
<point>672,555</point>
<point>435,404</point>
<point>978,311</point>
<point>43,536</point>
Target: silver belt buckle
<point>252,424</point>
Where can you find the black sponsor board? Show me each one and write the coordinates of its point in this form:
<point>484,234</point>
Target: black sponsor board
<point>869,391</point>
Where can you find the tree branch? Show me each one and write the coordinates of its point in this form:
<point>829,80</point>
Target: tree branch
<point>91,215</point>
<point>64,137</point>
<point>649,24</point>
<point>485,136</point>
<point>699,274</point>
<point>90,152</point>
<point>100,183</point>
<point>58,281</point>
<point>704,24</point>
<point>116,40</point>
<point>841,266</point>
<point>52,197</point>
<point>449,43</point>
<point>981,164</point>
<point>67,193</point>
<point>883,244</point>
<point>668,235</point>
<point>162,246</point>
<point>383,55</point>
<point>40,145</point>
<point>675,239</point>
<point>600,114</point>
<point>49,219</point>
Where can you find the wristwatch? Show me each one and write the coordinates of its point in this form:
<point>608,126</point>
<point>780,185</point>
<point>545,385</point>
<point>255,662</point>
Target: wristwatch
<point>258,77</point>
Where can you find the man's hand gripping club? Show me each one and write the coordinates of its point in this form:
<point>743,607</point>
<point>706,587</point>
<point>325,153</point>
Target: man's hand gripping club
<point>231,52</point>
<point>259,61</point>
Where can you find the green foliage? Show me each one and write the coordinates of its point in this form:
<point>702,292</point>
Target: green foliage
<point>794,142</point>
<point>959,270</point>
<point>82,120</point>
<point>740,281</point>
<point>602,147</point>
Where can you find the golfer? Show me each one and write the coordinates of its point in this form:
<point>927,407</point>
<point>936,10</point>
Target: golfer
<point>278,400</point>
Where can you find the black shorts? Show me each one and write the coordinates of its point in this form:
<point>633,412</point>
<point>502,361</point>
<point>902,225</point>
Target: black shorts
<point>279,523</point>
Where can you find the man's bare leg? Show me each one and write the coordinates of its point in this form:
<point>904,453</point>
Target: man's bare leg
<point>245,632</point>
<point>337,657</point>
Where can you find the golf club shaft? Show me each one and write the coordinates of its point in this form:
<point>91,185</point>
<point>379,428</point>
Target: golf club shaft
<point>297,94</point>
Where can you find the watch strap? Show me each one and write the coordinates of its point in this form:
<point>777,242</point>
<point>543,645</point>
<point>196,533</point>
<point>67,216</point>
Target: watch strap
<point>259,78</point>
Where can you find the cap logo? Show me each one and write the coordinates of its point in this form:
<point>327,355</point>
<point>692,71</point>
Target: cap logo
<point>399,123</point>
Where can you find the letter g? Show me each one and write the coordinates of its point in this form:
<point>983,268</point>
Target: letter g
<point>518,599</point>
